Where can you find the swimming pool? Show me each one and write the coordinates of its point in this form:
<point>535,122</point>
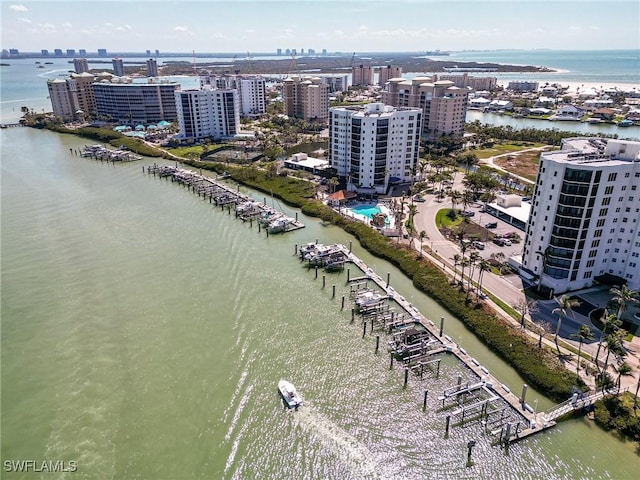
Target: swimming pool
<point>366,210</point>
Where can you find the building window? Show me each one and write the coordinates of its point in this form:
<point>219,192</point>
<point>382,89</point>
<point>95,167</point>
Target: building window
<point>612,177</point>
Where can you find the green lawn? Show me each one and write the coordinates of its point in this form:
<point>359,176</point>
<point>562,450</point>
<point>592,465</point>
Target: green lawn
<point>504,148</point>
<point>443,221</point>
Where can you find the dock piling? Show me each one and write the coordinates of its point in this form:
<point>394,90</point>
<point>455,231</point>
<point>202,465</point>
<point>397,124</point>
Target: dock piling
<point>524,394</point>
<point>342,307</point>
<point>406,376</point>
<point>353,314</point>
<point>470,446</point>
<point>324,280</point>
<point>377,343</point>
<point>441,325</point>
<point>424,402</point>
<point>316,271</point>
<point>364,328</point>
<point>333,293</point>
<point>391,362</point>
<point>446,427</point>
<point>388,278</point>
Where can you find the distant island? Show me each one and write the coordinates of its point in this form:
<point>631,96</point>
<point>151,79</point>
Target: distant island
<point>410,63</point>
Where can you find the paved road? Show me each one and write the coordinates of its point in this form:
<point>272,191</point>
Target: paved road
<point>510,288</point>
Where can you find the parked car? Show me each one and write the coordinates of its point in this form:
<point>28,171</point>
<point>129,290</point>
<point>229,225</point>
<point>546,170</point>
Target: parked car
<point>468,213</point>
<point>491,225</point>
<point>479,245</point>
<point>526,199</point>
<point>498,241</point>
<point>506,242</point>
<point>418,198</point>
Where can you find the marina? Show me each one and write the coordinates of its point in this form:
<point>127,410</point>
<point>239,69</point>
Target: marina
<point>416,344</point>
<point>102,153</point>
<point>220,194</point>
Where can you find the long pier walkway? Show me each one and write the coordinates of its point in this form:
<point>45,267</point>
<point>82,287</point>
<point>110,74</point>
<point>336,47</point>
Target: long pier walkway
<point>532,420</point>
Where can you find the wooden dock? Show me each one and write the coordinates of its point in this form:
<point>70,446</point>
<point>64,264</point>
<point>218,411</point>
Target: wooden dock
<point>419,356</point>
<point>224,196</point>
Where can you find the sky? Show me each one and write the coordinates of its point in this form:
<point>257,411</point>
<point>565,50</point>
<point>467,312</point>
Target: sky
<point>346,25</point>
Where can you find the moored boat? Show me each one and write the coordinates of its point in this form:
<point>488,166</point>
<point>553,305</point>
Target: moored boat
<point>290,395</point>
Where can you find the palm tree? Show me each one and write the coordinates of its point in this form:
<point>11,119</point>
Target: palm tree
<point>564,308</point>
<point>422,236</point>
<point>614,344</point>
<point>456,261</point>
<point>473,262</point>
<point>584,333</point>
<point>455,196</point>
<point>611,324</point>
<point>333,183</point>
<point>483,266</point>
<point>621,297</point>
<point>624,370</point>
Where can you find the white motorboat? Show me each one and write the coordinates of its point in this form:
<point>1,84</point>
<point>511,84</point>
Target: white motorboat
<point>369,299</point>
<point>289,394</point>
<point>279,225</point>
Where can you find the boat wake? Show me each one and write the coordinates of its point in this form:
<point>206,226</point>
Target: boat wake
<point>354,455</point>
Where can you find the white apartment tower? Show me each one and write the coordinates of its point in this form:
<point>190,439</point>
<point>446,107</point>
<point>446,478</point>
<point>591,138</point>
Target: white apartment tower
<point>209,112</point>
<point>387,73</point>
<point>252,91</point>
<point>444,105</point>
<point>361,75</point>
<point>374,145</point>
<point>61,102</point>
<point>306,98</point>
<point>585,218</point>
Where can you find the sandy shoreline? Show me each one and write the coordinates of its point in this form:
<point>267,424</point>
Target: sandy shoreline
<point>574,86</point>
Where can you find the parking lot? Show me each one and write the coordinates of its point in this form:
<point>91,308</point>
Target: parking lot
<point>494,238</point>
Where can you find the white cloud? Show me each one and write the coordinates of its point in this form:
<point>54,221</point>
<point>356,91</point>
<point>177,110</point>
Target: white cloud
<point>18,8</point>
<point>25,20</point>
<point>67,25</point>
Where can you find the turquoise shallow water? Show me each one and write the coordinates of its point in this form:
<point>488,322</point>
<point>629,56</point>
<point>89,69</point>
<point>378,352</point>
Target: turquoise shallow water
<point>143,333</point>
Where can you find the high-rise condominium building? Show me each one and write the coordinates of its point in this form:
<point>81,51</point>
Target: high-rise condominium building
<point>306,98</point>
<point>72,98</point>
<point>209,112</point>
<point>387,73</point>
<point>444,105</point>
<point>80,65</point>
<point>585,218</point>
<point>152,68</point>
<point>361,75</point>
<point>118,67</point>
<point>252,91</point>
<point>136,103</point>
<point>374,145</point>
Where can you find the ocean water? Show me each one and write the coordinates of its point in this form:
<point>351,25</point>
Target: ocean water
<point>575,66</point>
